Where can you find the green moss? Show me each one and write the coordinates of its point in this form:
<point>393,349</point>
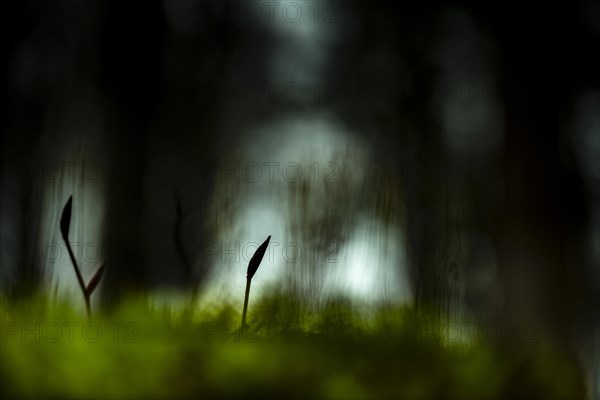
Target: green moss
<point>288,349</point>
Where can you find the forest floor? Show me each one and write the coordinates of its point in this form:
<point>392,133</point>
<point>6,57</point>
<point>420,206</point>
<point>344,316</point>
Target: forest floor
<point>49,350</point>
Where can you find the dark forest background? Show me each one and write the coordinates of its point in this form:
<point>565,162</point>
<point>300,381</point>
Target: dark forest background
<point>484,114</point>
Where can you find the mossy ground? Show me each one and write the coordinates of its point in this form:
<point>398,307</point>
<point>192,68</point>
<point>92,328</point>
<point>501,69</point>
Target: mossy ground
<point>49,350</point>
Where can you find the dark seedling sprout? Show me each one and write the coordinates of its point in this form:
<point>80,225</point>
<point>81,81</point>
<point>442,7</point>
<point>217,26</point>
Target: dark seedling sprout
<point>252,267</point>
<point>65,223</point>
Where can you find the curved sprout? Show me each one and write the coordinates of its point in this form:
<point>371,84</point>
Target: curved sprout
<point>252,268</point>
<point>65,224</point>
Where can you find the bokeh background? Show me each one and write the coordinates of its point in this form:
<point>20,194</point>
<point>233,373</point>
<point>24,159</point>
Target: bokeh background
<point>444,156</point>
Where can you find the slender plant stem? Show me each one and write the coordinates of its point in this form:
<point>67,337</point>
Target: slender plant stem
<point>79,277</point>
<point>88,307</point>
<point>248,280</point>
<point>80,280</point>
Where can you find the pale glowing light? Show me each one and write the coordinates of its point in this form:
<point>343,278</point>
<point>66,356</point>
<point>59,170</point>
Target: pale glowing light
<point>368,266</point>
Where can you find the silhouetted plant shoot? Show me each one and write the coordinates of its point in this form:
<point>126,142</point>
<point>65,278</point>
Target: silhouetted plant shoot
<point>252,268</point>
<point>65,223</point>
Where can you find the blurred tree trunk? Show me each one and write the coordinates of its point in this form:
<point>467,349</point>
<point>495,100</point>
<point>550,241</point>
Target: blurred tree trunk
<point>543,209</point>
<point>543,205</point>
<point>22,119</point>
<point>132,58</point>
